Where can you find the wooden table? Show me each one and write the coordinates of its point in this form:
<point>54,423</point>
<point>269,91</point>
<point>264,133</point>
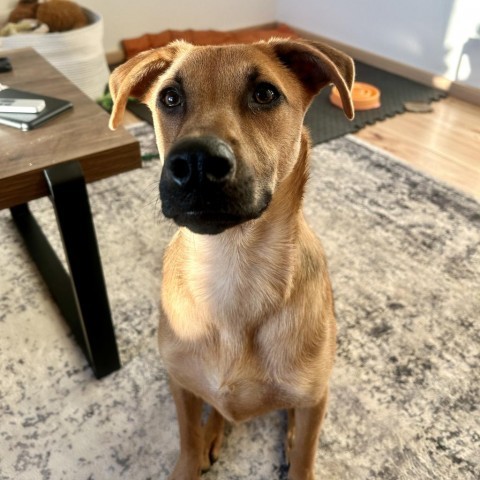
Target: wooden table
<point>56,159</point>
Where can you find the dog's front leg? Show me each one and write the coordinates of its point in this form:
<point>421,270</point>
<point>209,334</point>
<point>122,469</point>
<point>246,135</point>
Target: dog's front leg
<point>189,412</point>
<point>305,431</point>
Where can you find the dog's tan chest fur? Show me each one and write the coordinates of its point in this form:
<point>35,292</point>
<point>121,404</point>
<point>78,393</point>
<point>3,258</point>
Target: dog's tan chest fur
<point>239,375</point>
<point>239,318</point>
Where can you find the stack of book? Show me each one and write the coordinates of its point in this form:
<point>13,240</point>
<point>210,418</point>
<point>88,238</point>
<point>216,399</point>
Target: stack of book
<point>26,110</point>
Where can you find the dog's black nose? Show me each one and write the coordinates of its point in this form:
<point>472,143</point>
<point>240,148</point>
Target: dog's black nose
<point>198,161</point>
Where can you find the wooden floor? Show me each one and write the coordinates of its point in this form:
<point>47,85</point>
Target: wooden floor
<point>444,144</point>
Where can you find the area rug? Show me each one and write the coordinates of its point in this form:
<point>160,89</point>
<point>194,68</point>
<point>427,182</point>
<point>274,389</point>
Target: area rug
<point>404,256</point>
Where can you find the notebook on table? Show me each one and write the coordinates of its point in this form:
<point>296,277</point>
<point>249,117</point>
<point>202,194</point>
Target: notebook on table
<point>28,121</point>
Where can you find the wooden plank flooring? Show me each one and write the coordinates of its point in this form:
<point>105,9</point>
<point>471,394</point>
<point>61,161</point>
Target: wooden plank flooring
<point>444,144</point>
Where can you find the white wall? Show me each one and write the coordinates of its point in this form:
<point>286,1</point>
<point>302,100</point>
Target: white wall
<point>432,35</point>
<point>5,7</point>
<point>438,36</point>
<point>132,18</point>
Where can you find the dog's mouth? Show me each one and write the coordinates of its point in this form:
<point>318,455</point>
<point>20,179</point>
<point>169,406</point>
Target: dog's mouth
<point>207,222</point>
<point>206,219</point>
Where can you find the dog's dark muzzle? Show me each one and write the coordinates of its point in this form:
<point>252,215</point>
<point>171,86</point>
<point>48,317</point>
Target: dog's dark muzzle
<point>203,188</point>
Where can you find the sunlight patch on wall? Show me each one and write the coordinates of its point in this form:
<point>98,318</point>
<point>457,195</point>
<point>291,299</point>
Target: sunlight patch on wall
<point>463,26</point>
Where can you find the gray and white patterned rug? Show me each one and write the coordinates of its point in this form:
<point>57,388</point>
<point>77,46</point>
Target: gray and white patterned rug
<point>404,255</point>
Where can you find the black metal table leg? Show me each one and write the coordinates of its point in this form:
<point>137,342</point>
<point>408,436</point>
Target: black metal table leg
<point>82,296</point>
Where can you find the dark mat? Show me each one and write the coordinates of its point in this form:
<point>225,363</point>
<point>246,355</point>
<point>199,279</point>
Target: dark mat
<point>327,122</point>
<point>141,111</point>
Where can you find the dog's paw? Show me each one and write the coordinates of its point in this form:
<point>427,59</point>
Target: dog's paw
<point>185,470</point>
<point>212,440</point>
<point>301,474</point>
<point>210,456</point>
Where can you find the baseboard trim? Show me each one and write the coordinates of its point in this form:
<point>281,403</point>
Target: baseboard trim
<point>455,89</point>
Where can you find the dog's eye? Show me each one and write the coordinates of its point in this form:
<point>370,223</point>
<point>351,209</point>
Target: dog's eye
<point>265,93</point>
<point>171,98</point>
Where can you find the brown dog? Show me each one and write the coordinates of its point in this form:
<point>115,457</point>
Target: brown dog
<point>247,323</point>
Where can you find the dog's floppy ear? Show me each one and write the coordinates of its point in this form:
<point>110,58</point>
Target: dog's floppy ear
<point>134,77</point>
<point>317,65</point>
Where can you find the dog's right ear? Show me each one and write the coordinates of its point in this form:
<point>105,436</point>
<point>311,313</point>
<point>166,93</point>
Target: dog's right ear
<point>316,65</point>
<point>134,77</point>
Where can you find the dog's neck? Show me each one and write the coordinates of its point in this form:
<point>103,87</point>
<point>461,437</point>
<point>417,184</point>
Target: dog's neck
<point>248,270</point>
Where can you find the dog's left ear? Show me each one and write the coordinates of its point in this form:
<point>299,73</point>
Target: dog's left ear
<point>317,65</point>
<point>134,77</point>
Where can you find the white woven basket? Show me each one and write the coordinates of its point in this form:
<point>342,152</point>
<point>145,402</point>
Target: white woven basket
<point>78,54</point>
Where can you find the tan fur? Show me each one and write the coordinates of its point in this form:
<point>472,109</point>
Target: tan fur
<point>61,15</point>
<point>24,9</point>
<point>247,322</point>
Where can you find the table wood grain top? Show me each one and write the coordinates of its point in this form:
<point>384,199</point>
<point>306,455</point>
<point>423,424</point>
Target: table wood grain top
<point>80,134</point>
